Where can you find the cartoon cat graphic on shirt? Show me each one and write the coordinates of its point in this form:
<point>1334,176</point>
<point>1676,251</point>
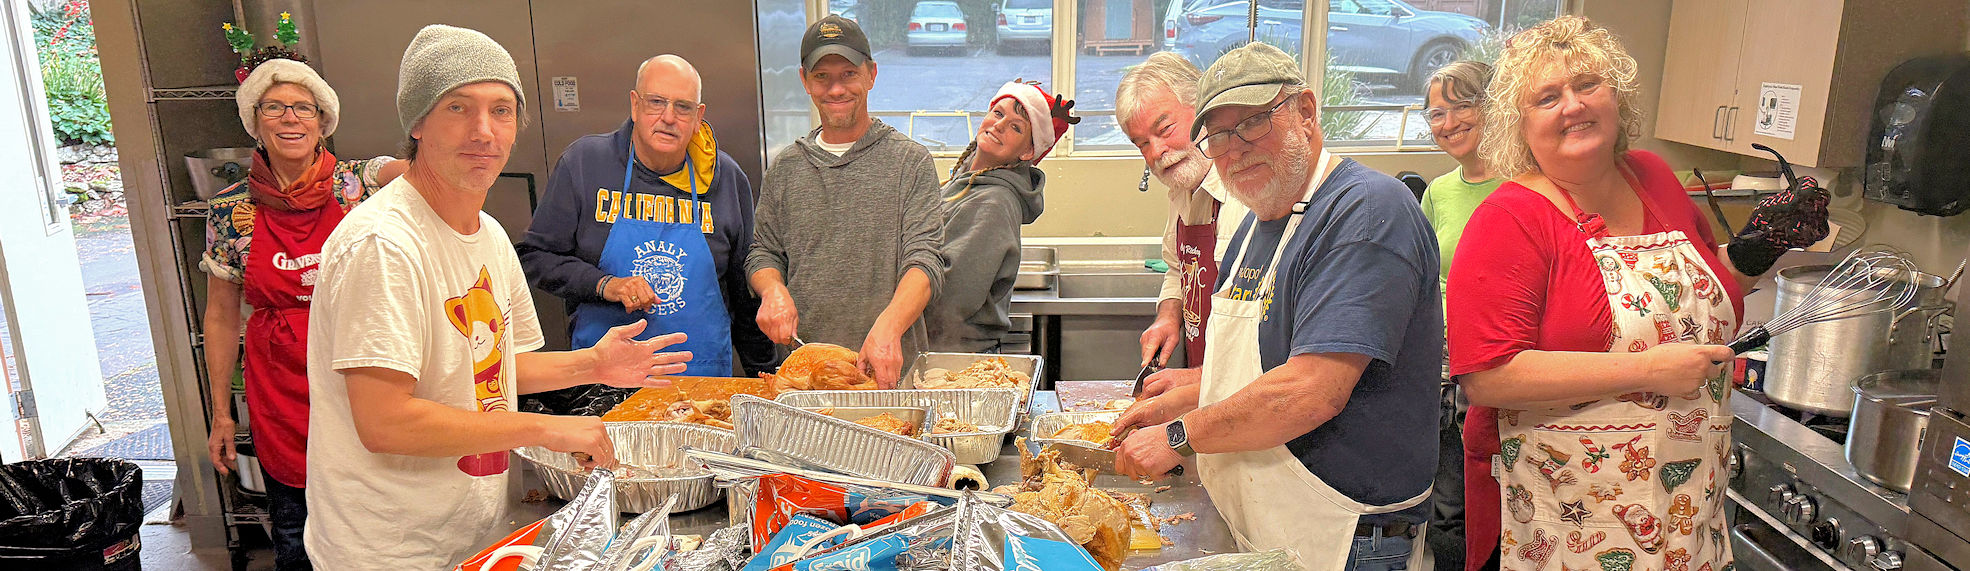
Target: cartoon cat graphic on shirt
<point>478,316</point>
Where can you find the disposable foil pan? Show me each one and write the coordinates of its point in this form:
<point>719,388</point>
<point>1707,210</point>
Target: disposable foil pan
<point>783,434</point>
<point>1033,365</point>
<point>1077,452</point>
<point>995,411</point>
<point>736,471</point>
<point>920,418</point>
<point>641,447</point>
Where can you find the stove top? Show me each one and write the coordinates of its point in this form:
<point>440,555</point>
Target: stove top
<point>1802,505</point>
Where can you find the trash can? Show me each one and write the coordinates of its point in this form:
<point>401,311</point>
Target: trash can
<point>71,514</point>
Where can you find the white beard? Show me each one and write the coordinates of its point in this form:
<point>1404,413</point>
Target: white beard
<point>1290,168</point>
<point>1185,177</point>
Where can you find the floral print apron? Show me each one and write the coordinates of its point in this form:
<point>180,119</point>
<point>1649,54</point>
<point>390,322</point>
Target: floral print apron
<point>1634,482</point>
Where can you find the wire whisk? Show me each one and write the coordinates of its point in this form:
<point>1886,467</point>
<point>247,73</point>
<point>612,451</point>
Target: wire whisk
<point>1867,280</point>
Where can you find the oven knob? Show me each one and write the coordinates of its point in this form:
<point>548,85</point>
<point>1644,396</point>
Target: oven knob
<point>1826,534</point>
<point>1863,547</point>
<point>1780,493</point>
<point>1800,509</point>
<point>1736,465</point>
<point>1886,561</point>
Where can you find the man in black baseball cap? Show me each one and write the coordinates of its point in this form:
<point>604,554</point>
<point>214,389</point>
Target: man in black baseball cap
<point>834,35</point>
<point>847,236</point>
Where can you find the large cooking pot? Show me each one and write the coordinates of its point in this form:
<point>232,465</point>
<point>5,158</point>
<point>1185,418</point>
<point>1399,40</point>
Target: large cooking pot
<point>1891,414</point>
<point>1813,368</point>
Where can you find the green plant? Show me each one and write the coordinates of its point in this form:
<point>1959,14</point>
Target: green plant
<point>71,73</point>
<point>1489,45</point>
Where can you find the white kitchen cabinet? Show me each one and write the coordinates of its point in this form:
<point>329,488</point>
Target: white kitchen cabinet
<point>1822,60</point>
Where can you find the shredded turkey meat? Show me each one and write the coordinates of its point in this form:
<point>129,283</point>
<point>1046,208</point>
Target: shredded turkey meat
<point>991,373</point>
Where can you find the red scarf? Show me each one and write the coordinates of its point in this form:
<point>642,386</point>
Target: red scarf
<point>311,191</point>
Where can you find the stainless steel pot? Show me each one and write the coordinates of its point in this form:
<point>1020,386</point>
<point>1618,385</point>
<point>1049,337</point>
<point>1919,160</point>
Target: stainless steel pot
<point>1891,415</point>
<point>1814,367</point>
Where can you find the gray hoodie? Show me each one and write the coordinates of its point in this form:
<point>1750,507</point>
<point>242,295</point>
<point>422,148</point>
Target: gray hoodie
<point>842,230</point>
<point>981,240</point>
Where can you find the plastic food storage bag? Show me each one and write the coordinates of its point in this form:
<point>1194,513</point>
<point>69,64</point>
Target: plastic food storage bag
<point>781,496</point>
<point>1270,560</point>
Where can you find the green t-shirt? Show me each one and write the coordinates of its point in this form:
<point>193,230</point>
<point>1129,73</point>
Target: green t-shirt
<point>1448,205</point>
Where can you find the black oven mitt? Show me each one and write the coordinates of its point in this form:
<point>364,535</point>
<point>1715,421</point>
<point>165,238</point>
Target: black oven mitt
<point>1792,218</point>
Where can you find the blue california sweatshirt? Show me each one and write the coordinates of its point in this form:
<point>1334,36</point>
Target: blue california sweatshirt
<point>583,199</point>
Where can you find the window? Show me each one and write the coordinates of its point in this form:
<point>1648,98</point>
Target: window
<point>940,61</point>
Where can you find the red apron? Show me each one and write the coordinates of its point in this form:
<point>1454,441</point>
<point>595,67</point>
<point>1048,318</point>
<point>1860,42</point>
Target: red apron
<point>281,265</point>
<point>1197,259</point>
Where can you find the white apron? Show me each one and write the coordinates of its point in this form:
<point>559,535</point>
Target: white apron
<point>1267,497</point>
<point>1635,482</point>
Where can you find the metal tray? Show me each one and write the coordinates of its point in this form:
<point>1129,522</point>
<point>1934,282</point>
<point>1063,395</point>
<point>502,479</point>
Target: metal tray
<point>642,444</point>
<point>920,417</point>
<point>1077,452</point>
<point>783,434</point>
<point>1032,365</point>
<point>995,411</point>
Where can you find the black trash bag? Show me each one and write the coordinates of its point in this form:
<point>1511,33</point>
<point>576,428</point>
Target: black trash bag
<point>71,513</point>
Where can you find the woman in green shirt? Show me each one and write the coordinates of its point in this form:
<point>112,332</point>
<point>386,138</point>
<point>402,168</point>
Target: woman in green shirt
<point>1455,96</point>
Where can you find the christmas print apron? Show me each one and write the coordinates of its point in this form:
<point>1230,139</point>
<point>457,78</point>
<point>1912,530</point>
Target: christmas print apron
<point>677,263</point>
<point>1634,482</point>
<point>1268,497</point>
<point>1197,259</point>
<point>279,281</point>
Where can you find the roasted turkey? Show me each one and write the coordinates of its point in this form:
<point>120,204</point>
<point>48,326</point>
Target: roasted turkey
<point>820,367</point>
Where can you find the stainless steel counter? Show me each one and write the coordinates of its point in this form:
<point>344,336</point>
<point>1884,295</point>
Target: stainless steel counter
<point>1207,535</point>
<point>1049,302</point>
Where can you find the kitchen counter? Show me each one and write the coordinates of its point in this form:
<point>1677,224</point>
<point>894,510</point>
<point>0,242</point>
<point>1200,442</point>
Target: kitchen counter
<point>1207,535</point>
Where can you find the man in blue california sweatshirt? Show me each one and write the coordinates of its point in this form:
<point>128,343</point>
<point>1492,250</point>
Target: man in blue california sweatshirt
<point>653,240</point>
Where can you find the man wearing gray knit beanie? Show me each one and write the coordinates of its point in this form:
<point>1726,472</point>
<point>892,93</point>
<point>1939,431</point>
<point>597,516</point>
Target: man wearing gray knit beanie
<point>422,336</point>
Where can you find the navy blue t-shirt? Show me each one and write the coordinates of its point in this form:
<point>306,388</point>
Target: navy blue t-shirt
<point>1359,276</point>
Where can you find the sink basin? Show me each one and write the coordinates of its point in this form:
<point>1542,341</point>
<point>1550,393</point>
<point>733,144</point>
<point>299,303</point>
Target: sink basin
<point>1131,284</point>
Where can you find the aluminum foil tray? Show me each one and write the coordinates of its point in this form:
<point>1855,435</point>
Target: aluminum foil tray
<point>783,434</point>
<point>641,447</point>
<point>1077,452</point>
<point>995,411</point>
<point>920,418</point>
<point>1033,365</point>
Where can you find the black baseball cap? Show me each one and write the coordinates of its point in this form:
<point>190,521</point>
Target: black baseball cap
<point>834,35</point>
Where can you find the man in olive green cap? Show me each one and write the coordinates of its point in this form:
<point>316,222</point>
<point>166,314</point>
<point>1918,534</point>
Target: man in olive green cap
<point>1321,364</point>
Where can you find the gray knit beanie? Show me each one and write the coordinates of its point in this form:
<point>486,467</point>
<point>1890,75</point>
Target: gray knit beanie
<point>442,58</point>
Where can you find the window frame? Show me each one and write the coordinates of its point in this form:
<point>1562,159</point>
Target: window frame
<point>1067,23</point>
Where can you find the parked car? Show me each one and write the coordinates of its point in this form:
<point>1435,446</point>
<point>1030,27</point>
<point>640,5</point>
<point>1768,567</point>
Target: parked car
<point>936,25</point>
<point>1372,38</point>
<point>1170,15</point>
<point>1025,23</point>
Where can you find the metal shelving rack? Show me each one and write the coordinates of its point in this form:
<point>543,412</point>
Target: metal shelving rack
<point>239,507</point>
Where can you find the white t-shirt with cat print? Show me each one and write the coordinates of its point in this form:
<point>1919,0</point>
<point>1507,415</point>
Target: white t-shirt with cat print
<point>401,290</point>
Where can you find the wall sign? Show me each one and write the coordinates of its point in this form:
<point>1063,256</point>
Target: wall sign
<point>1778,110</point>
<point>567,97</point>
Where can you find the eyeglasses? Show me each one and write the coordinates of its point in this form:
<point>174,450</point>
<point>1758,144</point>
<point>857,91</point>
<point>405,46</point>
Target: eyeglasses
<point>1250,130</point>
<point>275,109</point>
<point>656,105</point>
<point>1439,115</point>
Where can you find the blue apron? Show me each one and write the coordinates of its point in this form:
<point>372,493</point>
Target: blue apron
<point>675,260</point>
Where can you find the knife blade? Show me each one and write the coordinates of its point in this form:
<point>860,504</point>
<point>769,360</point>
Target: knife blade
<point>1135,390</point>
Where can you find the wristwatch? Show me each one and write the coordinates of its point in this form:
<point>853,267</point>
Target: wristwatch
<point>1178,441</point>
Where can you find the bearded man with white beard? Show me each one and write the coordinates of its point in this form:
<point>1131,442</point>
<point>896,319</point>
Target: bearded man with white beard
<point>1155,104</point>
<point>1320,374</point>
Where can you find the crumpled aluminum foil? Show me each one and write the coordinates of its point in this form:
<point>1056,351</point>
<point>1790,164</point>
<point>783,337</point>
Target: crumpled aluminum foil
<point>1269,560</point>
<point>723,550</point>
<point>578,532</point>
<point>654,523</point>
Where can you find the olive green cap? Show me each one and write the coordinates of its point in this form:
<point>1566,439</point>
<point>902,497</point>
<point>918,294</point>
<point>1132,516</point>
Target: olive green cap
<point>1252,74</point>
